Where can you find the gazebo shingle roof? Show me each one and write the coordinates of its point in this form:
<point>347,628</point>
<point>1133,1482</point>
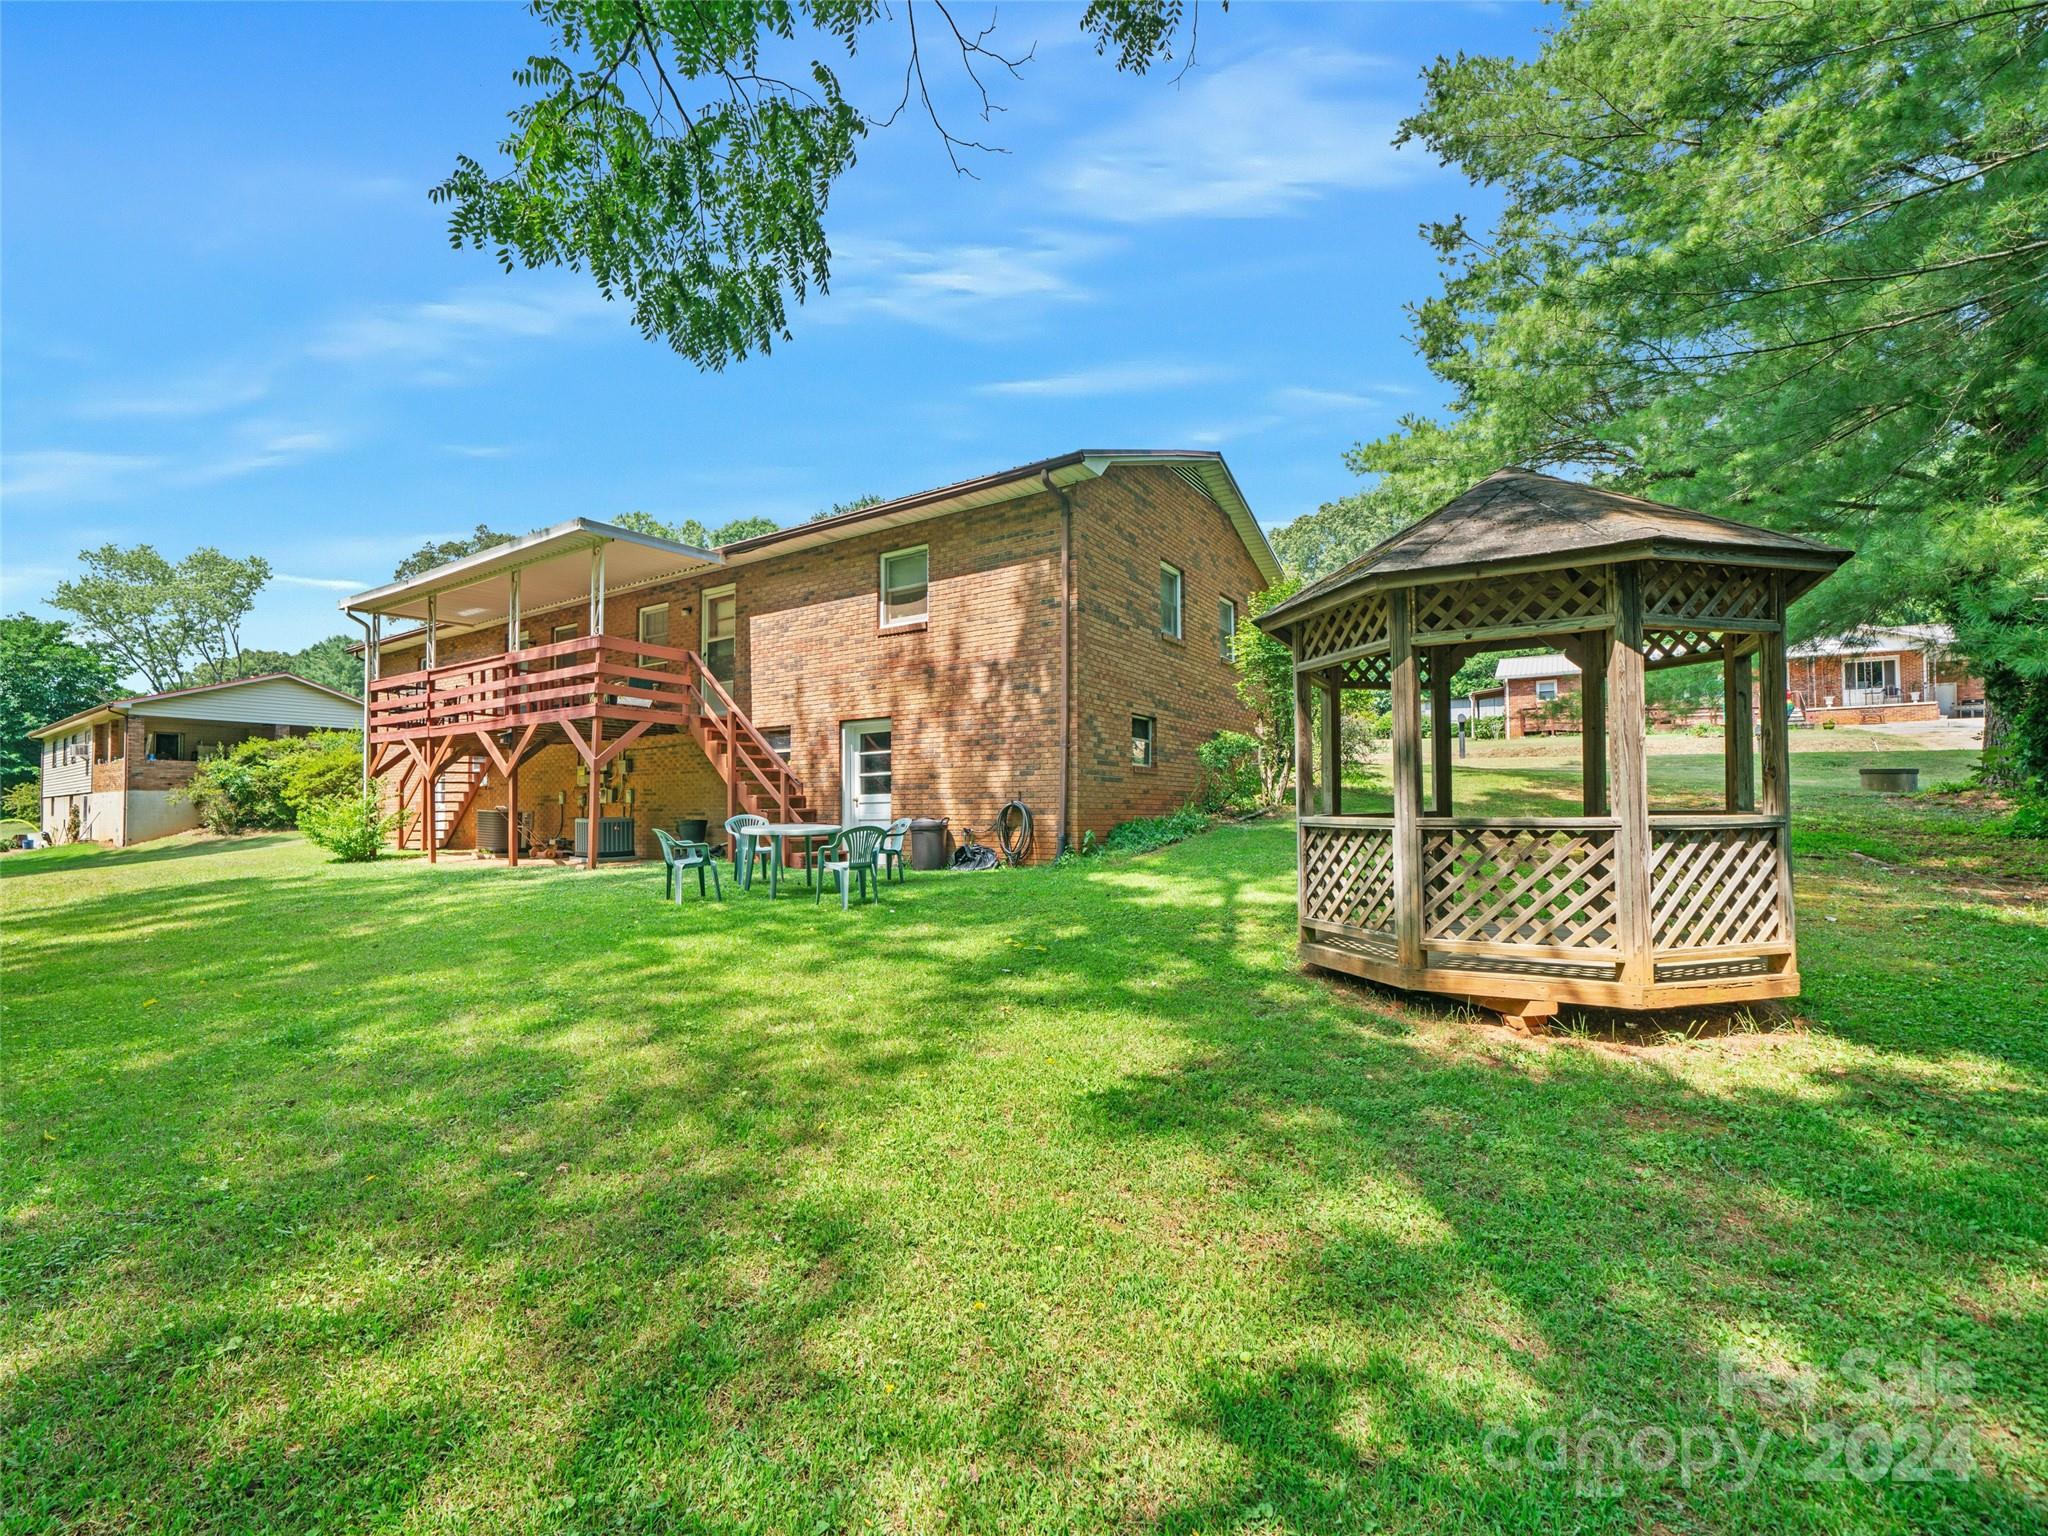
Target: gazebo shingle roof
<point>1516,515</point>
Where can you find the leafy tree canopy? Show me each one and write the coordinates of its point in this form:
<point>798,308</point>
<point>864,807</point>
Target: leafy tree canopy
<point>866,499</point>
<point>429,555</point>
<point>692,532</point>
<point>1786,262</point>
<point>664,148</point>
<point>44,676</point>
<point>329,662</point>
<point>162,620</point>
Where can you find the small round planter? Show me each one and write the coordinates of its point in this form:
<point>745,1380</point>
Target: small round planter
<point>1891,781</point>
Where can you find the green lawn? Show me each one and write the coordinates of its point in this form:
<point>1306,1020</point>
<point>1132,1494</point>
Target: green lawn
<point>385,1198</point>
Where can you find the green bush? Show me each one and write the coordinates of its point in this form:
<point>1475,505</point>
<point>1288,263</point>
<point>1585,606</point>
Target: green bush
<point>2029,819</point>
<point>1148,832</point>
<point>265,782</point>
<point>1230,772</point>
<point>353,827</point>
<point>23,802</point>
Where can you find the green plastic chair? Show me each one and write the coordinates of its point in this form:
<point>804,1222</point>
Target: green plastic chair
<point>748,851</point>
<point>679,857</point>
<point>893,838</point>
<point>852,857</point>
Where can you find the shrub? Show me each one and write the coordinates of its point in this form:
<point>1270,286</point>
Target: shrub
<point>1148,832</point>
<point>2029,819</point>
<point>1231,779</point>
<point>1827,725</point>
<point>353,827</point>
<point>23,802</point>
<point>263,783</point>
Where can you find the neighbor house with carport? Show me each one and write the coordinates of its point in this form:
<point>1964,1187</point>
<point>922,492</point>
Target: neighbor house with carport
<point>111,774</point>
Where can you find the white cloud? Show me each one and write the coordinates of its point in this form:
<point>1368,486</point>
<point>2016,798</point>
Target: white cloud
<point>1245,140</point>
<point>1297,398</point>
<point>954,286</point>
<point>478,450</point>
<point>447,329</point>
<point>72,475</point>
<point>322,583</point>
<point>200,394</point>
<point>1111,379</point>
<point>259,446</point>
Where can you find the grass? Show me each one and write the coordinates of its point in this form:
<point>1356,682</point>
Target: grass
<point>358,1198</point>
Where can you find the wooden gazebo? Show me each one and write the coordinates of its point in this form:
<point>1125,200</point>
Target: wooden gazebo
<point>1622,905</point>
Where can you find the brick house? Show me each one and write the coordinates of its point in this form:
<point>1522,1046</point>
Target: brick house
<point>115,767</point>
<point>1527,687</point>
<point>1880,675</point>
<point>1056,633</point>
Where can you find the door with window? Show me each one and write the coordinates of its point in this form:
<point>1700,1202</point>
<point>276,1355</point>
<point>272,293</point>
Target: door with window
<point>1870,681</point>
<point>866,770</point>
<point>718,628</point>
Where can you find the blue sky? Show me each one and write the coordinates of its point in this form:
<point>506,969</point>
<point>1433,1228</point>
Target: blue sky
<point>230,315</point>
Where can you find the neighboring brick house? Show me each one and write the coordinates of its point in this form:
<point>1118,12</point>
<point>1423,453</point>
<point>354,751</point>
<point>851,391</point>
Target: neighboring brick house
<point>1528,687</point>
<point>114,768</point>
<point>1879,675</point>
<point>924,656</point>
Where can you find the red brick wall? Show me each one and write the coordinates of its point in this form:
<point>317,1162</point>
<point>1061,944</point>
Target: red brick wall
<point>972,695</point>
<point>1522,695</point>
<point>1125,525</point>
<point>1814,678</point>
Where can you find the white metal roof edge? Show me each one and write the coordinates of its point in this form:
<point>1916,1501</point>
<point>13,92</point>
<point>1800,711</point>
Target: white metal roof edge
<point>524,550</point>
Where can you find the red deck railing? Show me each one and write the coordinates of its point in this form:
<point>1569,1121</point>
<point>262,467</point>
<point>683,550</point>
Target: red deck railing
<point>595,677</point>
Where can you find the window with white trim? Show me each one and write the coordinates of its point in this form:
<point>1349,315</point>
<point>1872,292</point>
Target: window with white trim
<point>718,629</point>
<point>1546,690</point>
<point>1170,587</point>
<point>906,586</point>
<point>651,626</point>
<point>1226,628</point>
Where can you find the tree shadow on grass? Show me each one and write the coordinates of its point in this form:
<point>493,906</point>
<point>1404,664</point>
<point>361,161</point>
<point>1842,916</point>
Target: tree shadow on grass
<point>574,1168</point>
<point>70,858</point>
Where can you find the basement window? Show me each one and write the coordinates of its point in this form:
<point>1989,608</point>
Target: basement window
<point>906,586</point>
<point>1226,628</point>
<point>1142,732</point>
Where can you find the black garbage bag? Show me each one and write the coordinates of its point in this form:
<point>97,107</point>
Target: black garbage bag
<point>974,856</point>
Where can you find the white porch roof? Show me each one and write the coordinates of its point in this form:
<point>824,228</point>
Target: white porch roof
<point>554,567</point>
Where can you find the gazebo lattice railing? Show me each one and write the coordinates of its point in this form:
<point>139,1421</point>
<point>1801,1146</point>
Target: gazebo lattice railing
<point>1618,905</point>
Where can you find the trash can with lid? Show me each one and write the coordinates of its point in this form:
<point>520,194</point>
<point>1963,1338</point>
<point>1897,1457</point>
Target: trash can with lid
<point>931,844</point>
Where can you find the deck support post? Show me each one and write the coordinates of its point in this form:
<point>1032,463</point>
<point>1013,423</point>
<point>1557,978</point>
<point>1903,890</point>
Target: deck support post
<point>593,800</point>
<point>1441,666</point>
<point>1629,784</point>
<point>512,612</point>
<point>1738,741</point>
<point>1333,743</point>
<point>432,651</point>
<point>597,590</point>
<point>1406,693</point>
<point>430,835</point>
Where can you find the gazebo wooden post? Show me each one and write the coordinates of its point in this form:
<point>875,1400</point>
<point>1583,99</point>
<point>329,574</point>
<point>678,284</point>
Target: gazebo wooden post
<point>1592,662</point>
<point>1629,783</point>
<point>1776,788</point>
<point>1333,743</point>
<point>1440,669</point>
<point>1738,745</point>
<point>1405,689</point>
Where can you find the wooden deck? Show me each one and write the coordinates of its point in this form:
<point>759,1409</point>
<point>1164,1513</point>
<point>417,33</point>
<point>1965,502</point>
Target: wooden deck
<point>599,693</point>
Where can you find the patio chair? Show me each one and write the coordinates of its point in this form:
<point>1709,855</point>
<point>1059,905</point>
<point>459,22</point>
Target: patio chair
<point>893,838</point>
<point>748,850</point>
<point>851,857</point>
<point>679,857</point>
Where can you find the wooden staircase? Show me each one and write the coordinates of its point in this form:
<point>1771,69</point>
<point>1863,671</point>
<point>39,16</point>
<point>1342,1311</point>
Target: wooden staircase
<point>756,777</point>
<point>461,778</point>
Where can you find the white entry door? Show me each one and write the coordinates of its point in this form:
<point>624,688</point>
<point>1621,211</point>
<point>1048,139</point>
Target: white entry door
<point>865,754</point>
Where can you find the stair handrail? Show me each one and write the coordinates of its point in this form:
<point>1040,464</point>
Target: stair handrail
<point>738,720</point>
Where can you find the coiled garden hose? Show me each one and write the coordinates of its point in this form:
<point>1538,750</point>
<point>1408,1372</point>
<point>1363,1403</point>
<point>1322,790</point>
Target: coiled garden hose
<point>1013,831</point>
